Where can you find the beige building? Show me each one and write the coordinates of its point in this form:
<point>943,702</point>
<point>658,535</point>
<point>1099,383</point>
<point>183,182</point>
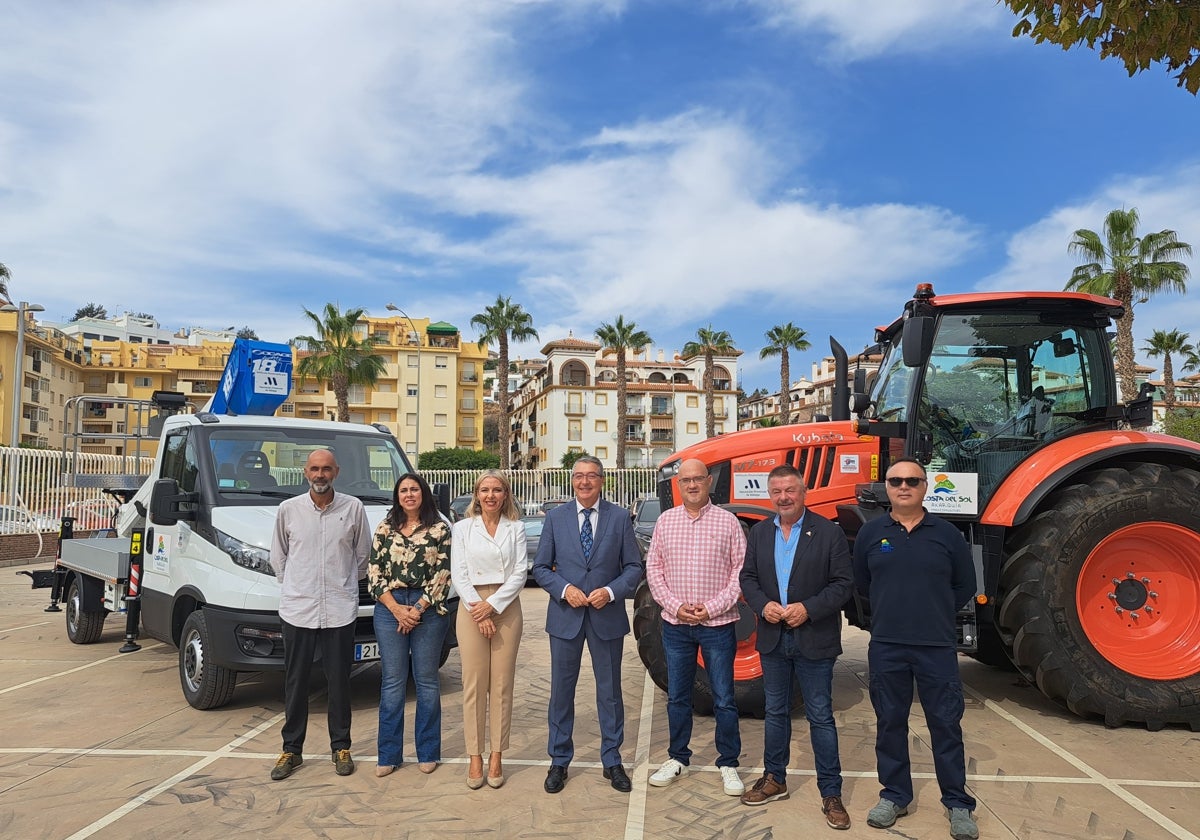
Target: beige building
<point>430,394</point>
<point>809,397</point>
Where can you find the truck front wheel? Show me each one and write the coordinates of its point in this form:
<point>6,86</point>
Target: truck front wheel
<point>1100,596</point>
<point>206,685</point>
<point>83,626</point>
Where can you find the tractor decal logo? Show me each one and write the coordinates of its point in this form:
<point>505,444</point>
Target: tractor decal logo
<point>943,484</point>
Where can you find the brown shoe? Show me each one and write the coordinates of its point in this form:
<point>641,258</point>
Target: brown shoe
<point>765,790</point>
<point>835,813</point>
<point>343,764</point>
<point>284,766</point>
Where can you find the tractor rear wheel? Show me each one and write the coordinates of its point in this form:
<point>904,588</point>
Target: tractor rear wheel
<point>1100,596</point>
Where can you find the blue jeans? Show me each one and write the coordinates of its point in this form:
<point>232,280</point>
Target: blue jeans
<point>893,669</point>
<point>815,677</point>
<point>717,645</point>
<point>423,649</point>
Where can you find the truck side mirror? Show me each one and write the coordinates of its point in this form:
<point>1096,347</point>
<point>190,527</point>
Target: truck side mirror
<point>167,504</point>
<point>917,340</point>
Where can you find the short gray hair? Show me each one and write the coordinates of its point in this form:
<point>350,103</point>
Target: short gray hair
<point>593,460</point>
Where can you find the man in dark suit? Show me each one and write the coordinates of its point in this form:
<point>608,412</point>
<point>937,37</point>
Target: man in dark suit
<point>799,635</point>
<point>588,561</point>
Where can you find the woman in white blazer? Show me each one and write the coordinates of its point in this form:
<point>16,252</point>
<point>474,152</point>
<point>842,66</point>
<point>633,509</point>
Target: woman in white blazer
<point>488,567</point>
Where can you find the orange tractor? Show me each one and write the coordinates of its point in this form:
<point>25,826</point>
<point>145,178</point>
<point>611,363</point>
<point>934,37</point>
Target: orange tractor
<point>1085,533</point>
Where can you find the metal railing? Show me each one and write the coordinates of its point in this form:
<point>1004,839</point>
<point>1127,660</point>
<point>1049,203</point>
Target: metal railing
<point>532,487</point>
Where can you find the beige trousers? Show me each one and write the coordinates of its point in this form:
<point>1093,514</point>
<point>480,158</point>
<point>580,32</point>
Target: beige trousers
<point>489,667</point>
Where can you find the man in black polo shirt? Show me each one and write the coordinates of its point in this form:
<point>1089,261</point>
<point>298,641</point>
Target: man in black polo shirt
<point>917,572</point>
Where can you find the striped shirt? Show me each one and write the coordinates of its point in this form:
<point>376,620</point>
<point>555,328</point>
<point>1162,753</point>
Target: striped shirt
<point>697,561</point>
<point>319,557</point>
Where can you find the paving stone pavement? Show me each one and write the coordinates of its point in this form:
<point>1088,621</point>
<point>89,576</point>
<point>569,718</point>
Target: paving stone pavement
<point>94,743</point>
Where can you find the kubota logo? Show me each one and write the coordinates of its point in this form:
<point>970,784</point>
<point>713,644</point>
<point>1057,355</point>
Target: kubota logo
<point>943,484</point>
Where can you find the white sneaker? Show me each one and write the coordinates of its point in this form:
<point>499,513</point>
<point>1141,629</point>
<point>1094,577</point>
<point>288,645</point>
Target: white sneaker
<point>733,785</point>
<point>668,773</point>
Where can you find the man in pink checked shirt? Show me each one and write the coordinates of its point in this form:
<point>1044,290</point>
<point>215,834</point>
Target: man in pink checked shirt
<point>692,569</point>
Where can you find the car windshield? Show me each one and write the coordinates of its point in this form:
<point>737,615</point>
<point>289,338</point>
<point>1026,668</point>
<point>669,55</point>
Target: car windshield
<point>533,527</point>
<point>648,511</point>
<point>269,462</point>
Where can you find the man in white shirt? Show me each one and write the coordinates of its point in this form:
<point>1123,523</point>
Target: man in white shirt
<point>319,553</point>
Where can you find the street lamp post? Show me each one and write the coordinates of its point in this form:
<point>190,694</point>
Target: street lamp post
<point>391,307</point>
<point>14,435</point>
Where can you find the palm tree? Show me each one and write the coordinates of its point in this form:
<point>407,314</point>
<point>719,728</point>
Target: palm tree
<point>4,278</point>
<point>337,356</point>
<point>1125,266</point>
<point>620,337</point>
<point>709,342</point>
<point>781,339</point>
<point>1166,343</point>
<point>501,321</point>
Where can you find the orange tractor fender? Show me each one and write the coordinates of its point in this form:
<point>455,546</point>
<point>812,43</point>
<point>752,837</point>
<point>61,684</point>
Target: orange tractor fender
<point>1019,495</point>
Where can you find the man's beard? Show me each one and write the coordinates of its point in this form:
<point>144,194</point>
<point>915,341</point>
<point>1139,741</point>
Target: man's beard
<point>320,488</point>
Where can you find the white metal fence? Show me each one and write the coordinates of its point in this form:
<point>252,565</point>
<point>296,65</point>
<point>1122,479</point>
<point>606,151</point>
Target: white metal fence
<point>41,499</point>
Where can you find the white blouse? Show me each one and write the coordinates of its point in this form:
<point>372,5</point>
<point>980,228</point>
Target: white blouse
<point>479,559</point>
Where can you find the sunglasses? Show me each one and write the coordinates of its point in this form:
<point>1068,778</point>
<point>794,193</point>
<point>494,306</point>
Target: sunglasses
<point>910,480</point>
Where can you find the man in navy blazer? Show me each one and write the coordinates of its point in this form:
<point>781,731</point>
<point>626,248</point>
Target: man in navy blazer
<point>588,562</point>
<point>799,634</point>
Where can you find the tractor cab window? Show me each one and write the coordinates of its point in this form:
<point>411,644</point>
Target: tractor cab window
<point>891,392</point>
<point>998,386</point>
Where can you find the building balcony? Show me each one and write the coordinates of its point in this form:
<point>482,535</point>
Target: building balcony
<point>575,410</point>
<point>467,434</point>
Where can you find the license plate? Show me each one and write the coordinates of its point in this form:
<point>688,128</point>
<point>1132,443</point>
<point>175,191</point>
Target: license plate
<point>366,651</point>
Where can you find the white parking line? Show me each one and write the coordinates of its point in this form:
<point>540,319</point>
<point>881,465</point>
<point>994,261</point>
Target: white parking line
<point>635,818</point>
<point>1094,775</point>
<point>24,627</point>
<point>74,670</point>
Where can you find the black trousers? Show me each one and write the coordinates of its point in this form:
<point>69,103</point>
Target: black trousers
<point>300,646</point>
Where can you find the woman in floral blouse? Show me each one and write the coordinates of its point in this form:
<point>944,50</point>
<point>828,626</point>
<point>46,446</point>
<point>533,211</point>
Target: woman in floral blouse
<point>410,578</point>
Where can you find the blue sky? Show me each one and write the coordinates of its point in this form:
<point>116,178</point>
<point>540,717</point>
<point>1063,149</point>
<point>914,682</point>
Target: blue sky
<point>734,162</point>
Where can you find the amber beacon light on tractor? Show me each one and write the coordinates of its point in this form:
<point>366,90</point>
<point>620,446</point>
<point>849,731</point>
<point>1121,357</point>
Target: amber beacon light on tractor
<point>1084,526</point>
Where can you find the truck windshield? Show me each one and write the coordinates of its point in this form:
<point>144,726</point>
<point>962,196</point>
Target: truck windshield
<point>269,462</point>
<point>999,385</point>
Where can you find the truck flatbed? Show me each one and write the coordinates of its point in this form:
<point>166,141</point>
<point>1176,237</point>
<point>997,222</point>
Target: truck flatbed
<point>105,558</point>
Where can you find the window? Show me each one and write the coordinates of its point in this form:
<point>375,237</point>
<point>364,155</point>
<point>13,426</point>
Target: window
<point>601,425</point>
<point>287,408</point>
<point>693,428</point>
<point>412,360</point>
<point>383,417</point>
<point>718,428</point>
<point>574,430</point>
<point>357,394</point>
<point>412,390</point>
<point>441,444</point>
<point>410,419</point>
<point>439,419</point>
<point>441,362</point>
<point>467,373</point>
<point>601,452</point>
<point>601,399</point>
<point>179,462</point>
<point>693,401</point>
<point>439,391</point>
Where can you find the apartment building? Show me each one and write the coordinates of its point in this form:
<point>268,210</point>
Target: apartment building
<point>809,396</point>
<point>51,371</point>
<point>570,405</point>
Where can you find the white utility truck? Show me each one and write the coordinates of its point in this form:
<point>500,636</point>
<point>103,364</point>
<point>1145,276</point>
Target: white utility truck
<point>192,541</point>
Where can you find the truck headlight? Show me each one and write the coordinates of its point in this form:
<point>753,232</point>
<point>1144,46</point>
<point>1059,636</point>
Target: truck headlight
<point>247,556</point>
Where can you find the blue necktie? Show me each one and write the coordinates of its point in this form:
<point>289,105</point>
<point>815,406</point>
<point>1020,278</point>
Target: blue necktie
<point>585,533</point>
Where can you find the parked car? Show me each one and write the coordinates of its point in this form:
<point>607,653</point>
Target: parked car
<point>458,507</point>
<point>16,520</point>
<point>550,504</point>
<point>644,513</point>
<point>533,534</point>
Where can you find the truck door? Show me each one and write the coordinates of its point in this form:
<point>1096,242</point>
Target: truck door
<point>166,544</point>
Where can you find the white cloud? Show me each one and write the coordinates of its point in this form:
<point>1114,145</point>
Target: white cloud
<point>867,28</point>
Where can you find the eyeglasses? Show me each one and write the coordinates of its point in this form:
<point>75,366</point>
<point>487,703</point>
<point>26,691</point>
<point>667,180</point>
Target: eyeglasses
<point>586,476</point>
<point>910,480</point>
<point>699,479</point>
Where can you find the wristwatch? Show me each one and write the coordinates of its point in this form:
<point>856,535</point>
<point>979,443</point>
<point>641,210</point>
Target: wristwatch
<point>421,607</point>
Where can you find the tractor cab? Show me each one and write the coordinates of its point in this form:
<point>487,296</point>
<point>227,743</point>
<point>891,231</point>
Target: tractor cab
<point>971,385</point>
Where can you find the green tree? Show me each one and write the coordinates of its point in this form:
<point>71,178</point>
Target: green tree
<point>1125,266</point>
<point>5,276</point>
<point>1168,343</point>
<point>247,333</point>
<point>769,422</point>
<point>569,458</point>
<point>709,342</point>
<point>337,356</point>
<point>90,310</point>
<point>501,322</point>
<point>459,459</point>
<point>781,339</point>
<point>1184,423</point>
<point>619,338</point>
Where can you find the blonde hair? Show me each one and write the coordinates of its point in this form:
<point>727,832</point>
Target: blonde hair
<point>510,509</point>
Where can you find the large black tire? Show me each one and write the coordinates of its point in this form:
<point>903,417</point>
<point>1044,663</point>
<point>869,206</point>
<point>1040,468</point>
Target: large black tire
<point>205,684</point>
<point>991,649</point>
<point>83,626</point>
<point>1076,584</point>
